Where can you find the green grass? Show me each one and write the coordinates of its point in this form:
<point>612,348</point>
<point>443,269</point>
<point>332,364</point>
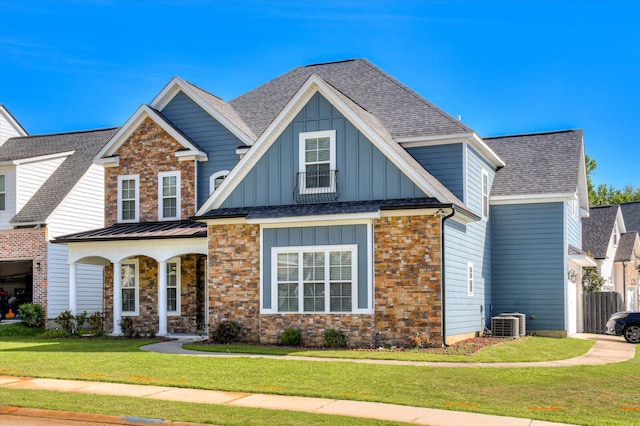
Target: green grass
<point>589,395</point>
<point>155,410</point>
<point>531,349</point>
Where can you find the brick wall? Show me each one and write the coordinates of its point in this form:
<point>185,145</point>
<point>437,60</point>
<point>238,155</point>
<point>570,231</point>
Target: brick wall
<point>192,297</point>
<point>407,287</point>
<point>28,243</point>
<point>148,151</point>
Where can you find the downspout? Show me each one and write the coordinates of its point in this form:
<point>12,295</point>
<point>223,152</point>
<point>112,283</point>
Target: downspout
<point>442,271</point>
<point>624,284</point>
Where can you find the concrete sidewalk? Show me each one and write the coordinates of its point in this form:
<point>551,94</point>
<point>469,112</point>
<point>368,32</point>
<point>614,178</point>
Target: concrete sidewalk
<point>358,409</point>
<point>606,350</point>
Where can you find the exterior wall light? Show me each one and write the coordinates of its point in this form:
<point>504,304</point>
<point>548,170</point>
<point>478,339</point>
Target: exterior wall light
<point>572,275</point>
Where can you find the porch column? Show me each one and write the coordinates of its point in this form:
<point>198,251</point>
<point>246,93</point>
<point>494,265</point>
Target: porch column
<point>117,298</point>
<point>73,296</point>
<point>162,298</point>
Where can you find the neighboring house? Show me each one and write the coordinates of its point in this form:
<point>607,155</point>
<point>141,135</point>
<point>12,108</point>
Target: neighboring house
<point>331,197</point>
<point>49,187</point>
<point>615,249</point>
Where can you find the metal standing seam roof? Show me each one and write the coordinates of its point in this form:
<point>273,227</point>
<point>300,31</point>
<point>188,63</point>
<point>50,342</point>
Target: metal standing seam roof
<point>400,110</point>
<point>84,144</point>
<point>597,229</point>
<point>537,163</point>
<point>140,231</point>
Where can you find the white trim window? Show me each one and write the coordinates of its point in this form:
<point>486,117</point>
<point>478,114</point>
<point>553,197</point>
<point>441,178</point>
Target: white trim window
<point>315,279</point>
<point>470,279</point>
<point>173,287</point>
<point>485,194</point>
<point>616,235</point>
<point>169,195</point>
<point>3,192</point>
<point>128,198</point>
<point>317,162</point>
<point>216,179</point>
<point>130,288</point>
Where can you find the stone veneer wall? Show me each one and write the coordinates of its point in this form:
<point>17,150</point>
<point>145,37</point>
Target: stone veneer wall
<point>192,297</point>
<point>148,151</point>
<point>408,278</point>
<point>29,243</point>
<point>407,287</point>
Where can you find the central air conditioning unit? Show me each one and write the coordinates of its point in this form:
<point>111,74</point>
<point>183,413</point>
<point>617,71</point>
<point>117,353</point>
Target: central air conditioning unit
<point>505,327</point>
<point>522,323</point>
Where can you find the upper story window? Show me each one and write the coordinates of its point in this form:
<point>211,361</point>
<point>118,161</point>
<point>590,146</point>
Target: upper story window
<point>470,279</point>
<point>128,198</point>
<point>616,234</point>
<point>3,190</point>
<point>485,194</point>
<point>317,162</point>
<point>169,195</point>
<point>216,179</point>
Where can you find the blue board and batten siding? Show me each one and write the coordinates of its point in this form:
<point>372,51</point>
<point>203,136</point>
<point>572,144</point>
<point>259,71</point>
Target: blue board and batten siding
<point>469,243</point>
<point>445,163</point>
<point>316,236</point>
<point>364,172</point>
<point>211,136</point>
<point>529,252</point>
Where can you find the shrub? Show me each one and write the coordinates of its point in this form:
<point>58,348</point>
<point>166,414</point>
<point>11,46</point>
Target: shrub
<point>291,337</point>
<point>226,332</point>
<point>55,334</point>
<point>67,322</point>
<point>126,325</point>
<point>334,338</point>
<point>96,323</point>
<point>31,314</point>
<point>420,340</point>
<point>81,319</point>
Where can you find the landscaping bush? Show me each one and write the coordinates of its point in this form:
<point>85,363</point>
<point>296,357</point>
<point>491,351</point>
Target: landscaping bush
<point>334,338</point>
<point>96,323</point>
<point>67,322</point>
<point>291,337</point>
<point>31,314</point>
<point>226,332</point>
<point>81,320</point>
<point>420,340</point>
<point>126,325</point>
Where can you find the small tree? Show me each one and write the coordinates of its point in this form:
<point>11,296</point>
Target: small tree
<point>591,279</point>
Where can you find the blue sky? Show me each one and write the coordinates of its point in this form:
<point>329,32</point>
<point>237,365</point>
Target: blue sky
<point>504,67</point>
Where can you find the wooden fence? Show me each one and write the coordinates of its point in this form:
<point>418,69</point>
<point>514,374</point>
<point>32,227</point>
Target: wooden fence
<point>598,307</point>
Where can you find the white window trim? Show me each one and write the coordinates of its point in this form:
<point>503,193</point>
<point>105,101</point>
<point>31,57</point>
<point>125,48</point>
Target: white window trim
<point>470,279</point>
<point>178,287</point>
<point>213,177</point>
<point>353,248</point>
<point>616,235</point>
<point>136,263</point>
<point>135,178</point>
<point>483,196</point>
<point>4,191</point>
<point>161,215</point>
<point>302,165</point>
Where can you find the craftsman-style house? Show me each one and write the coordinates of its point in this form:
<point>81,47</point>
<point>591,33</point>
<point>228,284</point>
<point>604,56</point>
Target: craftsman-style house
<point>332,197</point>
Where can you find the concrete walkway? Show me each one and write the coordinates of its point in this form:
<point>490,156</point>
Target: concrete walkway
<point>607,349</point>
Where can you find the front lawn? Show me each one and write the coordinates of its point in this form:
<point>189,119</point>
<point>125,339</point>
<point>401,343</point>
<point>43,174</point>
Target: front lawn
<point>589,395</point>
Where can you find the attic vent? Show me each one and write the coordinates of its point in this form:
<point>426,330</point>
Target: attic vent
<point>505,327</point>
<point>522,321</point>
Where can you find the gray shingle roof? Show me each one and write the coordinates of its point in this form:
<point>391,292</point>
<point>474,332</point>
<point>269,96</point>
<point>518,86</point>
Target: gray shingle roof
<point>401,111</point>
<point>625,247</point>
<point>85,146</point>
<point>631,215</point>
<point>538,163</point>
<point>597,229</point>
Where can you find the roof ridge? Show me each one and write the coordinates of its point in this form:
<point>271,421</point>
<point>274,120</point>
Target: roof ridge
<point>415,94</point>
<point>548,132</point>
<point>332,62</point>
<point>204,90</point>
